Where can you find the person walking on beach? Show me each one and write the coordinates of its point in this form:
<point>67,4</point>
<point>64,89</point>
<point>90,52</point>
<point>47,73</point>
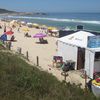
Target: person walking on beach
<point>18,29</point>
<point>4,28</point>
<point>46,31</point>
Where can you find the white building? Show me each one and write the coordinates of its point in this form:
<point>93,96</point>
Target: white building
<point>74,47</point>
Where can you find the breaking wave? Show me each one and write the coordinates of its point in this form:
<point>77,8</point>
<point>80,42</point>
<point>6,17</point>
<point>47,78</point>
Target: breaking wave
<point>57,19</point>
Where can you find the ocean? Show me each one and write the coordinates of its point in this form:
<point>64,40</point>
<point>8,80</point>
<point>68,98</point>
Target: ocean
<point>90,21</point>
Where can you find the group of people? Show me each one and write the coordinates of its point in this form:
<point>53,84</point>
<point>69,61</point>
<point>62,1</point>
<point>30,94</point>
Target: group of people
<point>5,36</point>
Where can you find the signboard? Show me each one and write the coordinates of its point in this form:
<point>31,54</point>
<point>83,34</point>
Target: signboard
<point>93,41</point>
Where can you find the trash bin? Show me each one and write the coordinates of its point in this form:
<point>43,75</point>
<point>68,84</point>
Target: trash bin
<point>70,64</point>
<point>65,67</point>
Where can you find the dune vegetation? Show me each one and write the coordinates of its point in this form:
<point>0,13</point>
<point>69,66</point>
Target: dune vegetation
<point>22,81</point>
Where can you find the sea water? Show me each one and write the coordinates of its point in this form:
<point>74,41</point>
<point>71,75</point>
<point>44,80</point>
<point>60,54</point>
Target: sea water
<point>90,21</point>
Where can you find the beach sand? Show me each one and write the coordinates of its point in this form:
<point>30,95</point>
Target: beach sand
<point>45,52</point>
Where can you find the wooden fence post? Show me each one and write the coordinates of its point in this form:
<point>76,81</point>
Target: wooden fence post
<point>9,45</point>
<point>65,74</point>
<point>27,55</point>
<point>6,45</point>
<point>85,81</point>
<point>37,58</point>
<point>20,50</point>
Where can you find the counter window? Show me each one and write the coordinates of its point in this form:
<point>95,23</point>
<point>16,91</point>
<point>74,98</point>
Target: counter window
<point>97,56</point>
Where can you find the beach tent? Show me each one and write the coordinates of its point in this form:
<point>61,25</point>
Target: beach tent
<point>29,24</point>
<point>75,47</point>
<point>43,27</point>
<point>9,34</point>
<point>13,23</point>
<point>23,22</point>
<point>3,37</point>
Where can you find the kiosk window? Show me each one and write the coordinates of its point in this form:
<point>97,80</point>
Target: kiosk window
<point>97,56</point>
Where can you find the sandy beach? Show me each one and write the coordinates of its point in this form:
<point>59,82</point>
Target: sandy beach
<point>45,52</point>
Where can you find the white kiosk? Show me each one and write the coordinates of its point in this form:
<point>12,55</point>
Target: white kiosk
<point>75,47</point>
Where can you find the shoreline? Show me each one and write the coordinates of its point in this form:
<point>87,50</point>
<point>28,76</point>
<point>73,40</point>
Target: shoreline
<point>54,21</point>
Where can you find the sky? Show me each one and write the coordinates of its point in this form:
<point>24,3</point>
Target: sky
<point>51,5</point>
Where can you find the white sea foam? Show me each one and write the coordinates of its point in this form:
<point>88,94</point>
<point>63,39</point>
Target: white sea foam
<point>57,19</point>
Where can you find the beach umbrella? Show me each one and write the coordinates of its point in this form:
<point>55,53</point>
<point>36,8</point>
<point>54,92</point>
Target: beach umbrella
<point>9,32</point>
<point>54,30</point>
<point>39,35</point>
<point>51,28</point>
<point>13,22</point>
<point>26,29</point>
<point>36,25</point>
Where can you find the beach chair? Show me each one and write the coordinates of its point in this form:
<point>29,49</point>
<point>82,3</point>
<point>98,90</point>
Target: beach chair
<point>57,61</point>
<point>43,41</point>
<point>0,27</point>
<point>27,35</point>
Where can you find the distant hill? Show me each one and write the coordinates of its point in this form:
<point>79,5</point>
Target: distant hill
<point>6,11</point>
